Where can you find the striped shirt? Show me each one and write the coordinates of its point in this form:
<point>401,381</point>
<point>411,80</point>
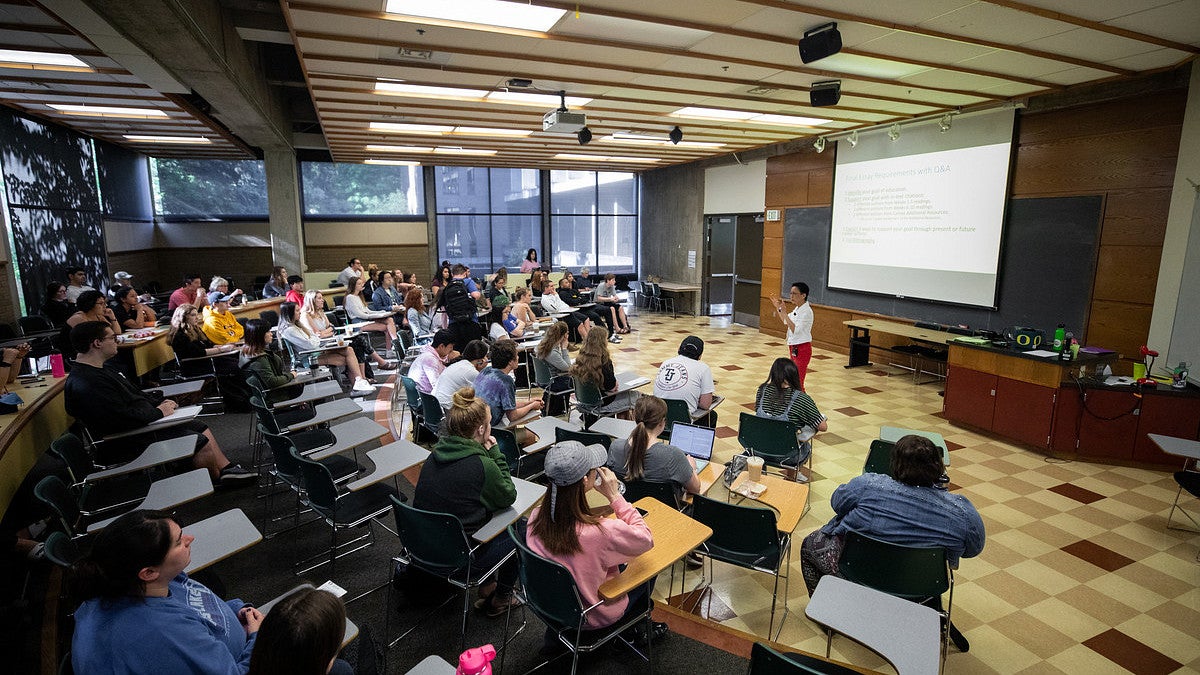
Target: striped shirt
<point>802,411</point>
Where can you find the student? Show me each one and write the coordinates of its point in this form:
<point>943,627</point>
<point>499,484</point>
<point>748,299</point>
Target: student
<point>220,325</point>
<point>141,613</point>
<point>553,350</point>
<point>578,322</point>
<point>496,387</point>
<point>420,321</point>
<point>685,377</point>
<point>221,285</point>
<point>76,283</point>
<point>188,294</point>
<point>354,268</point>
<point>312,316</point>
<point>643,457</point>
<point>302,636</point>
<point>298,335</point>
<point>387,297</point>
<point>606,297</point>
<point>440,280</point>
<point>592,548</point>
<point>277,285</point>
<point>295,292</point>
<point>190,342</point>
<point>91,306</point>
<point>266,364</point>
<point>530,263</point>
<point>498,286</point>
<point>56,307</point>
<point>461,373</point>
<point>500,321</point>
<point>521,308</point>
<point>594,366</point>
<point>799,324</point>
<point>573,299</point>
<point>357,311</point>
<point>432,360</point>
<point>129,312</point>
<point>781,398</point>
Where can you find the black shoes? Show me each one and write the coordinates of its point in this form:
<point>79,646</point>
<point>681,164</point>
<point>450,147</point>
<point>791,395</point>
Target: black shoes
<point>234,474</point>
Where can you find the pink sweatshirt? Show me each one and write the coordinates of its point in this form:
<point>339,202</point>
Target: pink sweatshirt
<point>613,542</point>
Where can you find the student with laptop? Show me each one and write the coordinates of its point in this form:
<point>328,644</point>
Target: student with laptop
<point>643,457</point>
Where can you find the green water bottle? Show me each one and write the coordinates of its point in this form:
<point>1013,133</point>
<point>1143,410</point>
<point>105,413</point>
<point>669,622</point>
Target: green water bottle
<point>1060,336</point>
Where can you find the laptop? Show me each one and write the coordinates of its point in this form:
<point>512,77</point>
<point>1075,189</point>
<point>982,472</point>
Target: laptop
<point>695,441</point>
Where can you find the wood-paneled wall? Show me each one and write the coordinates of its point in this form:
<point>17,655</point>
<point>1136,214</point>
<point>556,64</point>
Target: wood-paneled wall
<point>1124,150</point>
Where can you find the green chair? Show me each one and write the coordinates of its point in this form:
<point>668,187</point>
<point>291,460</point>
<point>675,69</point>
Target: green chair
<point>677,411</point>
<point>663,491</point>
<point>543,377</point>
<point>747,537</point>
<point>585,437</point>
<point>529,467</point>
<point>287,471</point>
<point>587,399</point>
<point>917,573</point>
<point>432,413</point>
<point>767,661</point>
<point>92,496</point>
<point>417,415</point>
<point>54,494</point>
<point>61,550</point>
<point>550,593</point>
<point>437,544</point>
<point>879,458</point>
<point>774,441</point>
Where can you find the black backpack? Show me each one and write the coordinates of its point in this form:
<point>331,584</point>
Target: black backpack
<point>458,301</point>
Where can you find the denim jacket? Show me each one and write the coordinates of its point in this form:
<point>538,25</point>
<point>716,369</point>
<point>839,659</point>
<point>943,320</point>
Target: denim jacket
<point>383,299</point>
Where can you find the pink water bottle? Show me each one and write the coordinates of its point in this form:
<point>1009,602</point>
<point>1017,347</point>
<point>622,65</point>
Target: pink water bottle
<point>476,661</point>
<point>56,365</point>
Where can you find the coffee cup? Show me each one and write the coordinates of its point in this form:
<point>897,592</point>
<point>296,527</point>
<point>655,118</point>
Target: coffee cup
<point>754,467</point>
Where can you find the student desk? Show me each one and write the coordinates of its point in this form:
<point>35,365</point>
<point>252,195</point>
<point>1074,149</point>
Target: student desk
<point>219,537</point>
<point>674,535</point>
<point>678,289</point>
<point>168,493</point>
<point>390,460</point>
<point>528,495</point>
<point>150,352</point>
<point>787,498</point>
<point>25,434</point>
<point>255,308</point>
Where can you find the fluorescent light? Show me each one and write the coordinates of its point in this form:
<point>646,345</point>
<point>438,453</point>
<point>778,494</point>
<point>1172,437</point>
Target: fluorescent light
<point>576,156</point>
<point>527,98</point>
<point>426,91</point>
<point>417,129</point>
<point>634,139</point>
<point>463,151</point>
<point>518,15</point>
<point>107,111</point>
<point>411,149</point>
<point>604,158</point>
<point>186,140</point>
<point>392,162</point>
<point>698,144</point>
<point>491,131</point>
<point>788,120</point>
<point>646,160</point>
<point>713,114</point>
<point>16,58</point>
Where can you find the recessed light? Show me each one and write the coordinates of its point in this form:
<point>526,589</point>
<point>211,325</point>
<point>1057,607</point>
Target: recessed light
<point>16,58</point>
<point>698,144</point>
<point>185,140</point>
<point>418,129</point>
<point>788,120</point>
<point>646,160</point>
<point>604,158</point>
<point>410,149</point>
<point>491,131</point>
<point>634,139</point>
<point>519,15</point>
<point>392,162</point>
<point>713,114</point>
<point>527,98</point>
<point>107,111</point>
<point>463,151</point>
<point>427,91</point>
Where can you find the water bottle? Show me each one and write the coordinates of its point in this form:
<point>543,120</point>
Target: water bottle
<point>1065,354</point>
<point>476,661</point>
<point>1060,336</point>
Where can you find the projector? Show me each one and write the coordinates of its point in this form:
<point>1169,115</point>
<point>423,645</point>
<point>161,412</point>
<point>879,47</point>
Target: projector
<point>563,122</point>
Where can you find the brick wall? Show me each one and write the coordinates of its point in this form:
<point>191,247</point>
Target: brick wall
<point>240,263</point>
<point>408,258</point>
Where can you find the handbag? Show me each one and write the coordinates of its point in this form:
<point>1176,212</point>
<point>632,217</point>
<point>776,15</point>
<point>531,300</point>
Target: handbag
<point>735,467</point>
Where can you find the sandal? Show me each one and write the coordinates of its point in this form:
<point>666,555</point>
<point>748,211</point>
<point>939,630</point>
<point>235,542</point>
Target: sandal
<point>658,630</point>
<point>493,610</point>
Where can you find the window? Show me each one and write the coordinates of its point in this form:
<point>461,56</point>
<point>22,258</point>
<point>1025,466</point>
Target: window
<point>209,188</point>
<point>593,220</point>
<point>335,190</point>
<point>487,218</point>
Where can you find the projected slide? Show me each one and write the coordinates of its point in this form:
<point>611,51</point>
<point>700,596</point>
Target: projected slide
<point>924,225</point>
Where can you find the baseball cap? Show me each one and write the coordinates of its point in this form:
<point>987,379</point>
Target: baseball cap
<point>122,275</point>
<point>500,302</point>
<point>218,296</point>
<point>569,461</point>
<point>691,347</point>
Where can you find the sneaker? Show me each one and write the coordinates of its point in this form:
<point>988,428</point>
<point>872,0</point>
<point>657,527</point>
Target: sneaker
<point>362,386</point>
<point>496,606</point>
<point>657,631</point>
<point>38,552</point>
<point>693,561</point>
<point>234,473</point>
<point>615,339</point>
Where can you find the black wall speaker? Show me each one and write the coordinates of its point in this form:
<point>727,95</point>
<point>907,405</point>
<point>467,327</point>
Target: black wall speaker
<point>820,42</point>
<point>825,93</point>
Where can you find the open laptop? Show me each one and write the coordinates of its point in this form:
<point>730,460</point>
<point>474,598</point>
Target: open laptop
<point>695,441</point>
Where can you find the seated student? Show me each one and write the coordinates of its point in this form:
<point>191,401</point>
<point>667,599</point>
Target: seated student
<point>419,320</point>
<point>643,457</point>
<point>91,306</point>
<point>781,398</point>
<point>369,277</point>
<point>129,312</point>
<point>221,285</point>
<point>405,281</point>
<point>572,298</point>
<point>296,334</point>
<point>302,636</point>
<point>578,322</point>
<point>906,508</point>
<point>295,292</point>
<point>219,323</point>
<point>141,613</point>
<point>498,286</point>
<point>686,378</point>
<point>521,308</point>
<point>583,282</point>
<point>552,349</point>
<point>467,477</point>
<point>188,294</point>
<point>56,307</point>
<point>100,397</point>
<point>594,366</point>
<point>354,268</point>
<point>357,311</point>
<point>190,342</point>
<point>266,364</point>
<point>387,297</point>
<point>313,318</point>
<point>496,387</point>
<point>537,283</point>
<point>592,548</point>
<point>277,285</point>
<point>76,283</point>
<point>462,372</point>
<point>530,263</point>
<point>10,364</point>
<point>606,297</point>
<point>429,364</point>
<point>500,321</point>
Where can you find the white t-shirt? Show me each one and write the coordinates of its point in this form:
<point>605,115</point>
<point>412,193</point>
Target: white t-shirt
<point>684,379</point>
<point>456,376</point>
<point>551,302</point>
<point>73,292</point>
<point>802,321</point>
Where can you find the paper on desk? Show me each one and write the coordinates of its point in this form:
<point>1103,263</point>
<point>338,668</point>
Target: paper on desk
<point>187,411</point>
<point>1043,353</point>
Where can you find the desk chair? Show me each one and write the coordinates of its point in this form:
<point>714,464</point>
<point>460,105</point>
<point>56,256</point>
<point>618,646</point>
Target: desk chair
<point>663,491</point>
<point>550,592</point>
<point>97,496</point>
<point>879,458</point>
<point>431,409</point>
<point>416,411</point>
<point>286,470</point>
<point>587,399</point>
<point>677,411</point>
<point>529,467</point>
<point>557,402</point>
<point>1190,481</point>
<point>767,661</point>
<point>774,441</point>
<point>585,437</point>
<point>747,537</point>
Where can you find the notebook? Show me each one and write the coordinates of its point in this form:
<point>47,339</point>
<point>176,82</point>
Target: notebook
<point>695,441</point>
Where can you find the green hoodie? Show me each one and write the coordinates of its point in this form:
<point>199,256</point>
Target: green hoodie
<point>497,491</point>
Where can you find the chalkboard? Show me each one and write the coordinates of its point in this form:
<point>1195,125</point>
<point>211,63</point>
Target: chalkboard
<point>1046,268</point>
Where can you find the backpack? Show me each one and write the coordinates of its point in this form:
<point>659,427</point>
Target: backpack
<point>459,304</point>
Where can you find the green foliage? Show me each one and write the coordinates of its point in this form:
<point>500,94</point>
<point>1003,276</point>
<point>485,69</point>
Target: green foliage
<point>332,189</point>
<point>211,188</point>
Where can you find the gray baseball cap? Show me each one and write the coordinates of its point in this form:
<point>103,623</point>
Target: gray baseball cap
<point>568,462</point>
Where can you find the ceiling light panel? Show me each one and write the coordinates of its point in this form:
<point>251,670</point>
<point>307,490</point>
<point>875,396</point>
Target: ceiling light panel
<point>182,140</point>
<point>391,162</point>
<point>521,16</point>
<point>530,98</point>
<point>490,131</point>
<point>713,114</point>
<point>108,111</point>
<point>426,91</point>
<point>20,58</point>
<point>416,129</point>
<point>406,149</point>
<point>463,151</point>
<point>788,120</point>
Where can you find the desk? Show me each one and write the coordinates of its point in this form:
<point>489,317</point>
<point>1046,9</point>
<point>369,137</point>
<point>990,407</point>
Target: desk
<point>1180,447</point>
<point>433,665</point>
<point>219,537</point>
<point>611,426</point>
<point>787,498</point>
<point>627,379</point>
<point>168,493</point>
<point>178,389</point>
<point>255,308</point>
<point>529,417</point>
<point>678,288</point>
<point>149,353</point>
<point>905,633</point>
<point>544,428</point>
<point>528,495</point>
<point>674,536</point>
<point>351,629</point>
<point>893,434</point>
<point>351,434</point>
<point>312,392</point>
<point>390,460</point>
<point>327,412</point>
<point>155,454</point>
<point>860,340</point>
<point>25,434</point>
<point>181,415</point>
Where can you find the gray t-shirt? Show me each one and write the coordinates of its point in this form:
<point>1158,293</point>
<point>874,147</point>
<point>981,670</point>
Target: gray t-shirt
<point>663,463</point>
<point>606,291</point>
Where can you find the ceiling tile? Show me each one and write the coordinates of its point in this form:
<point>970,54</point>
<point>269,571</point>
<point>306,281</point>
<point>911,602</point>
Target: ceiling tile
<point>1075,75</point>
<point>923,48</point>
<point>992,22</point>
<point>907,12</point>
<point>1096,10</point>
<point>1092,45</point>
<point>1178,21</point>
<point>624,30</point>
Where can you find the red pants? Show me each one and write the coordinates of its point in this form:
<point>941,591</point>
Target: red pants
<point>801,354</point>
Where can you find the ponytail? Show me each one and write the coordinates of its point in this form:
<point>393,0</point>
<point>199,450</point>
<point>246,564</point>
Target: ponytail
<point>639,442</point>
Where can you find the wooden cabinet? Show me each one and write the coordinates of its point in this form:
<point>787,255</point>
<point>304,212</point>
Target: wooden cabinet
<point>1024,411</point>
<point>1108,425</point>
<point>970,397</point>
<point>1170,415</point>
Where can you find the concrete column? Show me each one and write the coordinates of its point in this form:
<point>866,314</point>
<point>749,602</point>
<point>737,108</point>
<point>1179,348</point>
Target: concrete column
<point>283,199</point>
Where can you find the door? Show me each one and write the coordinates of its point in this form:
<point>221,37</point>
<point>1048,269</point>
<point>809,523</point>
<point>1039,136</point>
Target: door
<point>747,280</point>
<point>720,240</point>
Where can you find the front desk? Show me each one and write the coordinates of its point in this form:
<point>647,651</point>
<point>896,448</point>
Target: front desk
<point>25,434</point>
<point>1044,404</point>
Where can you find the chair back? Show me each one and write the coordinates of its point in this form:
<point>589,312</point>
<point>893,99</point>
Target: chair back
<point>61,551</point>
<point>270,316</point>
<point>550,590</point>
<point>879,458</point>
<point>7,332</point>
<point>507,442</point>
<point>34,323</point>
<point>433,540</point>
<point>412,394</point>
<point>773,440</point>
<point>587,394</point>
<point>585,437</point>
<point>745,533</point>
<point>542,374</point>
<point>254,383</point>
<point>663,491</point>
<point>286,466</point>
<point>70,450</point>
<point>767,661</point>
<point>265,417</point>
<point>431,408</point>
<point>677,411</point>
<point>910,572</point>
<point>318,484</point>
<point>57,497</point>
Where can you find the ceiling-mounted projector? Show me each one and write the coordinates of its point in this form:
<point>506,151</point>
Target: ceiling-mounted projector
<point>563,122</point>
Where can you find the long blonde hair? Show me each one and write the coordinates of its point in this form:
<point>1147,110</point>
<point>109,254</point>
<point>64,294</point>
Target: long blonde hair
<point>467,413</point>
<point>649,411</point>
<point>550,341</point>
<point>593,356</point>
<point>179,322</point>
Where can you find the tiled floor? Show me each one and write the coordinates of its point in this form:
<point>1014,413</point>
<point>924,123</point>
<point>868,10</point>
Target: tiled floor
<point>1079,574</point>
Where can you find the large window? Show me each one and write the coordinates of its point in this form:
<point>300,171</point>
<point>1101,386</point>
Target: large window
<point>593,220</point>
<point>487,218</point>
<point>362,190</point>
<point>209,188</point>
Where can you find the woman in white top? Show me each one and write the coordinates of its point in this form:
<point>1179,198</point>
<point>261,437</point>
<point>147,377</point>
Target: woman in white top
<point>313,319</point>
<point>357,310</point>
<point>799,324</point>
<point>294,331</point>
<point>461,373</point>
<point>500,321</point>
<point>520,306</point>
